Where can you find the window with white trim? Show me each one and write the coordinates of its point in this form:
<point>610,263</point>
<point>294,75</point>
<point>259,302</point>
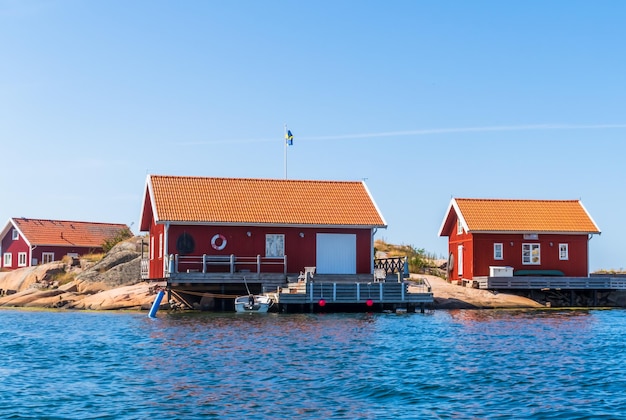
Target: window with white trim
<point>47,257</point>
<point>21,259</point>
<point>459,227</point>
<point>531,254</point>
<point>15,235</point>
<point>160,245</point>
<point>563,252</point>
<point>8,259</point>
<point>497,251</point>
<point>274,245</point>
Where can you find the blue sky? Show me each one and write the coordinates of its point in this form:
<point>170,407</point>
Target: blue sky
<point>425,100</point>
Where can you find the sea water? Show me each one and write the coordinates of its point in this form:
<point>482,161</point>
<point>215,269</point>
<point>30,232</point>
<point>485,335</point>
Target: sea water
<point>459,364</point>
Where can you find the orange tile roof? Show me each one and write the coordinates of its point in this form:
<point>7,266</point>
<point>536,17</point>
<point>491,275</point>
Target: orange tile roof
<point>556,216</point>
<point>66,233</point>
<point>261,201</point>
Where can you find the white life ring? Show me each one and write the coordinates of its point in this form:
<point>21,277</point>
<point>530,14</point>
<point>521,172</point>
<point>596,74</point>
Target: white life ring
<point>215,239</point>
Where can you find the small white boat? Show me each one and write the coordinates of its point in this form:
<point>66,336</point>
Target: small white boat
<point>253,303</point>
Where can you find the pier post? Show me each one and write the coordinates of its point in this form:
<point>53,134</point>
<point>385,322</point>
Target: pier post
<point>156,304</point>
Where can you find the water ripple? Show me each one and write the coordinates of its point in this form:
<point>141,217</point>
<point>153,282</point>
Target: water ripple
<point>448,365</point>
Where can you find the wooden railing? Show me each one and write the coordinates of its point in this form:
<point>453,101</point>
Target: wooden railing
<point>354,293</point>
<point>575,283</point>
<point>145,263</point>
<point>392,265</point>
<point>223,263</point>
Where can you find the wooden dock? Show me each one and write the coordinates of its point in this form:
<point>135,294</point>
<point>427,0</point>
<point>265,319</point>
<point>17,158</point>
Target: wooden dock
<point>210,283</point>
<point>341,296</point>
<point>560,291</point>
<point>560,283</point>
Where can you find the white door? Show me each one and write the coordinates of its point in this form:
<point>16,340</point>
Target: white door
<point>335,253</point>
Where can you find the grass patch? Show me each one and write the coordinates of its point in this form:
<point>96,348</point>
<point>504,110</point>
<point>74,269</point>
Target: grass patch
<point>93,257</point>
<point>63,278</point>
<point>420,261</point>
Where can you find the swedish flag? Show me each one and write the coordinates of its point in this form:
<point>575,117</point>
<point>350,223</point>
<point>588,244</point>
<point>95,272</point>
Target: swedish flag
<point>289,138</point>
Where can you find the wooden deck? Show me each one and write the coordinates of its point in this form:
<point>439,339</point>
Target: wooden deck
<point>375,295</point>
<point>215,280</point>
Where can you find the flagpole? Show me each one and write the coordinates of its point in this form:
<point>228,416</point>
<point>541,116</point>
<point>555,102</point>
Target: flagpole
<point>285,141</point>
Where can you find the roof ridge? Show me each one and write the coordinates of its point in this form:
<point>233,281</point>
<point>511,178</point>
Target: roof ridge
<point>33,219</point>
<point>312,181</point>
<point>521,199</point>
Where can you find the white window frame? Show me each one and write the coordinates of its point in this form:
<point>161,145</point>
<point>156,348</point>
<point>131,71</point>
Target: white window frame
<point>460,258</point>
<point>15,235</point>
<point>459,227</point>
<point>47,257</point>
<point>160,245</point>
<point>21,259</point>
<point>498,251</point>
<point>563,252</point>
<point>152,247</point>
<point>531,254</point>
<point>275,245</point>
<point>7,259</point>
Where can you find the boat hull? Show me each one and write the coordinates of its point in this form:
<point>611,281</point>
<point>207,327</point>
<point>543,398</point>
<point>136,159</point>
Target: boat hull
<point>261,304</point>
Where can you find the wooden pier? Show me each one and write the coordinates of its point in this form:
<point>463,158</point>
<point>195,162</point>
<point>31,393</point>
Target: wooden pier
<point>559,291</point>
<point>544,282</point>
<point>346,296</point>
<point>193,283</point>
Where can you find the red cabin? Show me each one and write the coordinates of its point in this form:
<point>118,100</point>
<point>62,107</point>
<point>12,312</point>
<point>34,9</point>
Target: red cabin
<point>28,242</point>
<point>498,237</point>
<point>237,225</point>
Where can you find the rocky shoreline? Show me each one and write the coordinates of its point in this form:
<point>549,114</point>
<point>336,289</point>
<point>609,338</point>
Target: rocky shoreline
<point>113,283</point>
<point>451,296</point>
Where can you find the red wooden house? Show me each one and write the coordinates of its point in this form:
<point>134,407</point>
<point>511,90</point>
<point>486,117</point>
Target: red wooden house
<point>236,225</point>
<point>498,237</point>
<point>28,242</point>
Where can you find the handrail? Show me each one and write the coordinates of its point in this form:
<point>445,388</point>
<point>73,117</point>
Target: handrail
<point>201,263</point>
<point>527,282</point>
<point>144,268</point>
<point>392,265</point>
<point>422,284</point>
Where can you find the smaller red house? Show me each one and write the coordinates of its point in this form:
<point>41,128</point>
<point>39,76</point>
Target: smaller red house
<point>499,237</point>
<point>28,242</point>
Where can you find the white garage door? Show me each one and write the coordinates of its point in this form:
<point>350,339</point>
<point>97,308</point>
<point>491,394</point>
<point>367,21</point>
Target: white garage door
<point>336,253</point>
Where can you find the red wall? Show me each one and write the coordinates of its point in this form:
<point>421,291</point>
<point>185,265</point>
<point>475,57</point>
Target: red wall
<point>156,263</point>
<point>478,253</point>
<point>300,250</point>
<point>60,251</point>
<point>20,245</point>
<point>464,240</point>
<point>575,266</point>
<point>14,247</point>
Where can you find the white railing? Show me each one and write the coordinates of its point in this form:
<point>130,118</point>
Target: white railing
<point>354,293</point>
<point>524,282</point>
<point>145,264</point>
<point>223,263</point>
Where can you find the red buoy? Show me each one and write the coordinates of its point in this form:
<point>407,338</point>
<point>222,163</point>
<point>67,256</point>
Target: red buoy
<point>322,302</point>
<point>369,302</point>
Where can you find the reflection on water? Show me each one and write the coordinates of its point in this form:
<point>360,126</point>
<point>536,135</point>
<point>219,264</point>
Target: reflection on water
<point>449,364</point>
